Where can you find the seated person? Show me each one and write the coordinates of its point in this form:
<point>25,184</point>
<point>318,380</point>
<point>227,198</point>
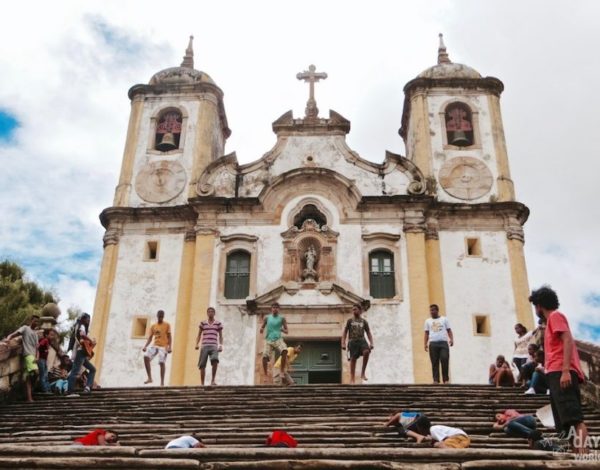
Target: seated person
<point>410,424</point>
<point>185,442</point>
<point>500,373</point>
<point>516,424</point>
<point>98,437</point>
<point>529,367</point>
<point>538,382</point>
<point>57,376</point>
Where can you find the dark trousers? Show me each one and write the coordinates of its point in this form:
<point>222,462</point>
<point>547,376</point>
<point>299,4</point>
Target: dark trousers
<point>439,351</point>
<point>523,426</point>
<point>81,360</point>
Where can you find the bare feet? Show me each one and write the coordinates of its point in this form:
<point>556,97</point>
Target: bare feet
<point>213,384</point>
<point>149,381</point>
<point>420,439</point>
<point>364,377</point>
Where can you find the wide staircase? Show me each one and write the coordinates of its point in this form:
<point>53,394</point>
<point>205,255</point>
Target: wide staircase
<point>337,427</point>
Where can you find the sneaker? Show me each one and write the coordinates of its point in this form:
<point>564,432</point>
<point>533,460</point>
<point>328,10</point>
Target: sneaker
<point>72,395</point>
<point>548,392</point>
<point>86,390</point>
<point>530,391</point>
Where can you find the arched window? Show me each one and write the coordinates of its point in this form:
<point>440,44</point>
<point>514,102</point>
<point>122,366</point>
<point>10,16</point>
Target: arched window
<point>168,130</point>
<point>459,125</point>
<point>381,274</point>
<point>310,211</point>
<point>237,275</point>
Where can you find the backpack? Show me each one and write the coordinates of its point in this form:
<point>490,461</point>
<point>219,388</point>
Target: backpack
<point>280,438</point>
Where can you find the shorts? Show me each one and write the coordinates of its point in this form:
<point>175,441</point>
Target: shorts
<point>274,346</point>
<point>282,378</point>
<point>457,442</point>
<point>31,366</point>
<point>154,350</point>
<point>206,352</point>
<point>356,347</point>
<point>566,404</point>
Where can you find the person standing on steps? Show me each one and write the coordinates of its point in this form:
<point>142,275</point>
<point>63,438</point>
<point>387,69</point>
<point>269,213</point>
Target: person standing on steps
<point>160,335</point>
<point>438,338</point>
<point>563,369</point>
<point>275,325</point>
<point>80,341</point>
<point>30,352</point>
<point>356,328</point>
<point>211,333</point>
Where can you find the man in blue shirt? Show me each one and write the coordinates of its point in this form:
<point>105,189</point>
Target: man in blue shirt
<point>275,325</point>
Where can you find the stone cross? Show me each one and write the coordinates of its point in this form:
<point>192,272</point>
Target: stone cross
<point>311,77</point>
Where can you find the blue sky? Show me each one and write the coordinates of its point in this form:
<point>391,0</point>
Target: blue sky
<point>64,110</point>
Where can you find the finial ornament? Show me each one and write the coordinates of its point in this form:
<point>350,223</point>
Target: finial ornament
<point>188,58</point>
<point>311,76</point>
<point>442,54</point>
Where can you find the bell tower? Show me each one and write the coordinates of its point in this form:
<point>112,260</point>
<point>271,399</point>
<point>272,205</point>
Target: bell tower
<point>177,127</point>
<point>452,128</point>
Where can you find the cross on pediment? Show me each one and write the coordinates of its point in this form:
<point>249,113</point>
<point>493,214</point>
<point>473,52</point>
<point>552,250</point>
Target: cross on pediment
<point>311,76</point>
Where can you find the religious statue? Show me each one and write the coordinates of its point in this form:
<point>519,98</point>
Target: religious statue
<point>309,273</point>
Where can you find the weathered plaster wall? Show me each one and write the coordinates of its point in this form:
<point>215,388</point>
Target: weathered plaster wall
<point>141,288</point>
<point>477,285</point>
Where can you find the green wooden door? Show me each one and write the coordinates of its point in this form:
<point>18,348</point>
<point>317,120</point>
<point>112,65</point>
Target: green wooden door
<point>319,362</point>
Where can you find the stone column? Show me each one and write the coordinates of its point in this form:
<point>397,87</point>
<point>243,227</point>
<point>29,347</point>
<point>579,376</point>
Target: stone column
<point>434,264</point>
<point>200,296</point>
<point>506,189</point>
<point>418,286</point>
<point>133,132</point>
<point>419,118</point>
<point>518,271</point>
<point>183,316</point>
<point>103,300</point>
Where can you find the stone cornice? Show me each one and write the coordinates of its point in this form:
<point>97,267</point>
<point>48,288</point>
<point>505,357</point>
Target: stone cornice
<point>134,214</point>
<point>287,125</point>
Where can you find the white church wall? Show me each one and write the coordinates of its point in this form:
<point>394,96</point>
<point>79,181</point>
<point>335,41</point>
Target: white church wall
<point>144,153</point>
<point>436,101</point>
<point>141,288</point>
<point>477,286</point>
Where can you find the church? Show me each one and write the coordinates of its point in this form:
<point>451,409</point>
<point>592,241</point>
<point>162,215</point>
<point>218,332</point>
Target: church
<point>315,227</point>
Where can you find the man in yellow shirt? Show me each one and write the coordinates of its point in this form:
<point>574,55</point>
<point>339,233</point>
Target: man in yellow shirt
<point>282,376</point>
<point>161,345</point>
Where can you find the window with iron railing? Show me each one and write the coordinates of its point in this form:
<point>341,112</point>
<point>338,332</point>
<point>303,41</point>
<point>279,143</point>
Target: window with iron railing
<point>382,275</point>
<point>237,275</point>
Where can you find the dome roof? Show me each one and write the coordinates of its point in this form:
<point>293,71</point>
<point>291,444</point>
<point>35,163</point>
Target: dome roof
<point>445,68</point>
<point>184,74</point>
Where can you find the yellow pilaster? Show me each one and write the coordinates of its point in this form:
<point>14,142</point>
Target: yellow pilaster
<point>133,131</point>
<point>418,285</point>
<point>200,295</point>
<point>506,190</point>
<point>207,129</point>
<point>183,317</point>
<point>434,270</point>
<point>102,303</point>
<point>419,118</point>
<point>520,284</point>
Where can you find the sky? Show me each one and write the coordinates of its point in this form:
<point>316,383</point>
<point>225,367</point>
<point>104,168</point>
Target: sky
<point>66,67</point>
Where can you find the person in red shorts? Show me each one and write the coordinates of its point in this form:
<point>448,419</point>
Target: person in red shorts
<point>98,437</point>
<point>563,370</point>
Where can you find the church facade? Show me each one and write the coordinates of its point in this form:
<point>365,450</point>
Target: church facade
<point>315,227</point>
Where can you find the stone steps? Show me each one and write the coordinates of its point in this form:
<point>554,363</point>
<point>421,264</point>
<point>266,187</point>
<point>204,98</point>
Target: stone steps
<point>337,426</point>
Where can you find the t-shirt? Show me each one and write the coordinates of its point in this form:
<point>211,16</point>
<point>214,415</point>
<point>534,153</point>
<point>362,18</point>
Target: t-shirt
<point>291,357</point>
<point>509,415</point>
<point>92,438</point>
<point>210,332</point>
<point>439,432</point>
<point>80,331</point>
<point>437,328</point>
<point>521,344</point>
<point>183,442</point>
<point>161,332</point>
<point>43,346</point>
<point>356,328</point>
<point>553,345</point>
<point>29,339</point>
<point>274,323</point>
<point>56,373</point>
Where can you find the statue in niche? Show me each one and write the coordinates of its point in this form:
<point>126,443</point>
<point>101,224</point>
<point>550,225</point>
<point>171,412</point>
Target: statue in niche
<point>309,273</point>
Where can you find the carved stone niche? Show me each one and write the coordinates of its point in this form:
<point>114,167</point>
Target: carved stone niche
<point>309,254</point>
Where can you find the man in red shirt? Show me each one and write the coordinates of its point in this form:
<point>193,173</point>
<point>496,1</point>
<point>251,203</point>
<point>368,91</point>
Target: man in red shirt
<point>563,370</point>
<point>98,437</point>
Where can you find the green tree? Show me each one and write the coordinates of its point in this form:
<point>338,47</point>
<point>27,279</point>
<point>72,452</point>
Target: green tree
<point>19,297</point>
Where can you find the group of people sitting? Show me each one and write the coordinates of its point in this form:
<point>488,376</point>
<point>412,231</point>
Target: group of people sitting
<point>527,368</point>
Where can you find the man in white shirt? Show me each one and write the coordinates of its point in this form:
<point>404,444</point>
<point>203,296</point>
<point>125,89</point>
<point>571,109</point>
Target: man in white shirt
<point>185,442</point>
<point>438,336</point>
<point>446,437</point>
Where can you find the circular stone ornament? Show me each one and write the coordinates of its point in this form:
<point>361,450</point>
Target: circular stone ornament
<point>466,178</point>
<point>160,181</point>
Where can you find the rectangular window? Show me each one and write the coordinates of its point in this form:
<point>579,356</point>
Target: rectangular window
<point>381,275</point>
<point>481,325</point>
<point>473,246</point>
<point>139,327</point>
<point>151,251</point>
<point>237,275</point>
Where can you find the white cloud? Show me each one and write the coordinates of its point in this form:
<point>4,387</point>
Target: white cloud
<point>66,70</point>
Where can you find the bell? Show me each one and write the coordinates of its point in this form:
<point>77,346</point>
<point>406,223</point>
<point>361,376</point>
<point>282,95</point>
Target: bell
<point>167,142</point>
<point>460,139</point>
